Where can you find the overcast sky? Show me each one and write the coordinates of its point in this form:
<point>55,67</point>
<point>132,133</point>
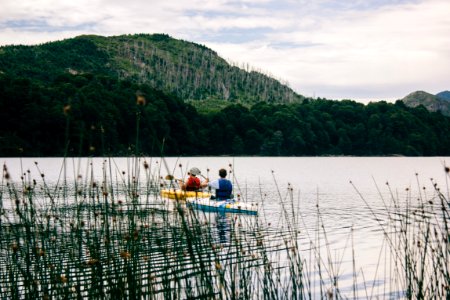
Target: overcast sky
<point>338,49</point>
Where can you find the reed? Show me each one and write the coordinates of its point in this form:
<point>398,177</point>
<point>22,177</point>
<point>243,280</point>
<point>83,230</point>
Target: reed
<point>114,237</point>
<point>416,233</point>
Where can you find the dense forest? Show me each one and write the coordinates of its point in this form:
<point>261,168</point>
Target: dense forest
<point>86,114</point>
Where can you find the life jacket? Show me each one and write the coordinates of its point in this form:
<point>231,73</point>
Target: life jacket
<point>224,190</point>
<point>193,184</point>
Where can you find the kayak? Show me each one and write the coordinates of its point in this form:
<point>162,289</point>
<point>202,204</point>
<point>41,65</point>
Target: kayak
<point>228,205</point>
<point>182,195</point>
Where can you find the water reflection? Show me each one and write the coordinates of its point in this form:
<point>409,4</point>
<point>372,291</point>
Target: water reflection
<point>223,225</point>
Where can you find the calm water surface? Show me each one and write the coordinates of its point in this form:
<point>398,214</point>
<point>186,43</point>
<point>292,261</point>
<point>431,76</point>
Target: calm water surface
<point>339,205</point>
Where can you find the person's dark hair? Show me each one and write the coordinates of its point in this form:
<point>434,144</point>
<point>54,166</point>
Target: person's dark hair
<point>223,173</point>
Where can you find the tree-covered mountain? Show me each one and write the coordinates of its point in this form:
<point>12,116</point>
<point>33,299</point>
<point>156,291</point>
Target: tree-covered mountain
<point>102,96</point>
<point>431,102</point>
<point>187,70</point>
<point>445,95</point>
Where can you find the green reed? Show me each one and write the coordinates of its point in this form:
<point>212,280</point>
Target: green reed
<point>100,239</point>
<point>417,238</point>
<point>108,234</point>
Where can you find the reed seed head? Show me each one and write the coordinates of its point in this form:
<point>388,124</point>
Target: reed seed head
<point>14,248</point>
<point>125,254</point>
<point>218,266</point>
<point>140,100</point>
<point>66,109</point>
<point>64,279</point>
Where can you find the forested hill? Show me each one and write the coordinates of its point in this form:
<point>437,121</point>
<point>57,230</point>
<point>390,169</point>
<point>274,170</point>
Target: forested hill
<point>87,114</point>
<point>127,95</point>
<point>187,70</point>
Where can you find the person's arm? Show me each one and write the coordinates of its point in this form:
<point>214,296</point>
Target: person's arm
<point>214,184</point>
<point>182,184</point>
<point>204,183</point>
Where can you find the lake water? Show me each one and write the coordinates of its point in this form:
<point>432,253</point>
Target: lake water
<point>342,207</point>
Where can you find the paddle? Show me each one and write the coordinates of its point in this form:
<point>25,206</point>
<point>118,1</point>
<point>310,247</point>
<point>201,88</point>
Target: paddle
<point>169,177</point>
<point>207,174</point>
<point>172,178</point>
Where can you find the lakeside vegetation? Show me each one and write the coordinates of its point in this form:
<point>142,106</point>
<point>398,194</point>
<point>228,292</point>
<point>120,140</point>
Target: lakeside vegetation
<point>96,115</point>
<point>108,238</point>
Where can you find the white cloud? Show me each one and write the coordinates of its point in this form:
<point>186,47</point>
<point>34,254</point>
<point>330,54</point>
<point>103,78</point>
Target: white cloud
<point>400,49</point>
<point>359,50</point>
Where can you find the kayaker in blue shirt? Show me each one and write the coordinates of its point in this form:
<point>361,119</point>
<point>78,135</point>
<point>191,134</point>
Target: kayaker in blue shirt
<point>223,186</point>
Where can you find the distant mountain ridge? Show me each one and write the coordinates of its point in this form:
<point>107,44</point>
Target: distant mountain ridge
<point>188,70</point>
<point>445,95</point>
<point>439,102</point>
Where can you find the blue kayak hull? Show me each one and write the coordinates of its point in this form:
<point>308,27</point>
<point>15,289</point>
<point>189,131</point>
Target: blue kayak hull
<point>224,206</point>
